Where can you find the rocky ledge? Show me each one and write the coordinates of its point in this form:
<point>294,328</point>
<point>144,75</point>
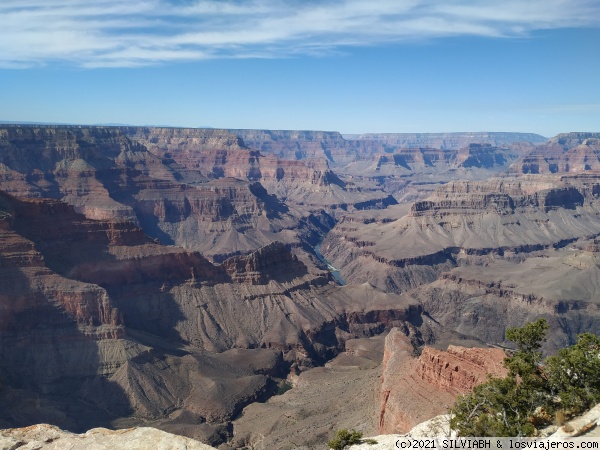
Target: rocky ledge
<point>49,437</point>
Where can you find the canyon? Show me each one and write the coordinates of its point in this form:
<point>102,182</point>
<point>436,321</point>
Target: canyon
<point>168,277</point>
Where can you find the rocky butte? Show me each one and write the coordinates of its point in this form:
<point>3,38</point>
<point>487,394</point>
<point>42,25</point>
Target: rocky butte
<point>171,277</point>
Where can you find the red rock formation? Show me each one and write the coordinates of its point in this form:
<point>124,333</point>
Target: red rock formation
<point>458,369</point>
<point>416,389</point>
<point>220,153</point>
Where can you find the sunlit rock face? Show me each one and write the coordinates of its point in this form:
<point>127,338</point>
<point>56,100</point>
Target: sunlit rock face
<point>415,389</point>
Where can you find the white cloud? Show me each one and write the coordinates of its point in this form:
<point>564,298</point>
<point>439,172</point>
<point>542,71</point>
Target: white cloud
<point>114,33</point>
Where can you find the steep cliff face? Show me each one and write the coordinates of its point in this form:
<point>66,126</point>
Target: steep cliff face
<point>482,155</point>
<point>458,370</point>
<point>341,151</point>
<point>220,153</point>
<point>416,389</point>
<point>55,332</point>
<point>300,145</point>
<point>428,159</point>
<point>169,140</point>
<point>263,265</point>
<point>304,179</point>
<point>219,218</point>
<point>34,283</point>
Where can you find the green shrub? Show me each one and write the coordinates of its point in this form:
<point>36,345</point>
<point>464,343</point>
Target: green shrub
<point>574,374</point>
<point>283,387</point>
<point>344,438</point>
<point>507,406</point>
<point>535,391</point>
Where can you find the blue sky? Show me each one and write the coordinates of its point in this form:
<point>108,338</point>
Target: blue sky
<point>348,65</point>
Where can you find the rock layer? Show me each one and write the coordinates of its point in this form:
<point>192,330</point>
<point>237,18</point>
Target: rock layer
<point>416,389</point>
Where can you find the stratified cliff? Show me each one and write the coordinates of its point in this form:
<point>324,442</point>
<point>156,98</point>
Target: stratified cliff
<point>105,174</point>
<point>416,389</point>
<point>301,145</point>
<point>308,184</point>
<point>465,218</point>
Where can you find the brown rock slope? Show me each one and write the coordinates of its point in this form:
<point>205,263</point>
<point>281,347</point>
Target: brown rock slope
<point>416,389</point>
<point>322,400</point>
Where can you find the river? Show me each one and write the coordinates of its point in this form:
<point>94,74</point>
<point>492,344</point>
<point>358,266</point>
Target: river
<point>334,272</point>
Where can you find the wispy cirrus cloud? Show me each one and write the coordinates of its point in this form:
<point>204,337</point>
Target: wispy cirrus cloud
<point>113,33</point>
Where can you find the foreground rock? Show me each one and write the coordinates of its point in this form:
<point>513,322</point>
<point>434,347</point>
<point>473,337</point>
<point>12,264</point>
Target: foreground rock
<point>438,426</point>
<point>48,437</point>
<point>416,389</point>
<point>586,425</point>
